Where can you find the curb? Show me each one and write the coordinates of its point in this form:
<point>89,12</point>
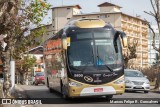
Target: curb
<point>155,91</point>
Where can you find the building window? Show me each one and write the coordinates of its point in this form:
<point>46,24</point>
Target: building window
<point>102,16</point>
<point>83,17</point>
<point>53,19</point>
<point>98,16</point>
<point>53,26</point>
<point>68,8</point>
<point>68,18</point>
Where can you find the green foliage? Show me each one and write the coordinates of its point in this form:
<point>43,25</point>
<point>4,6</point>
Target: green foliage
<point>26,63</point>
<point>31,13</point>
<point>17,18</point>
<point>35,11</point>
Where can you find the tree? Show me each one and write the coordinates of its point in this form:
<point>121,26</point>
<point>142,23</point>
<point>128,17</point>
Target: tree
<point>156,15</point>
<point>157,59</point>
<point>16,19</point>
<point>130,53</point>
<point>25,65</point>
<point>157,70</point>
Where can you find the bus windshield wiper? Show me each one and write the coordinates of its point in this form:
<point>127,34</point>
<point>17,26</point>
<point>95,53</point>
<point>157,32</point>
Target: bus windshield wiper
<point>111,70</point>
<point>105,64</point>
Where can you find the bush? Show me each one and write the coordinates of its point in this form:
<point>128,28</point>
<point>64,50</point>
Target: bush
<point>151,73</point>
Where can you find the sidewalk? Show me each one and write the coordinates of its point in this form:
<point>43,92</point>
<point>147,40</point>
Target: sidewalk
<point>1,95</point>
<point>154,90</point>
<point>18,93</point>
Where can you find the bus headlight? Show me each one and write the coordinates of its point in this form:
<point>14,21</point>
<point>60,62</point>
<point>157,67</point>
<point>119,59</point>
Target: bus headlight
<point>74,84</point>
<point>119,81</point>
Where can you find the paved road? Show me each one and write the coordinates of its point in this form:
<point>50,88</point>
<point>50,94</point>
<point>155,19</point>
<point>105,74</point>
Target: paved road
<point>42,92</point>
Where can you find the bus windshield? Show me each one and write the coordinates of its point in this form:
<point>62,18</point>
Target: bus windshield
<point>93,49</point>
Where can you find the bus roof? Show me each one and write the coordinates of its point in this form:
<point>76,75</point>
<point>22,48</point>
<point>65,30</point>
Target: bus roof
<point>87,23</point>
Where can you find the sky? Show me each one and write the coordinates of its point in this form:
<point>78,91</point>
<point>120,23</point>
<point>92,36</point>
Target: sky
<point>131,7</point>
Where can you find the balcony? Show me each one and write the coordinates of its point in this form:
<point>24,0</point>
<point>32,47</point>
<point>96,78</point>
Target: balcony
<point>137,24</point>
<point>124,27</point>
<point>130,28</point>
<point>138,55</point>
<point>145,56</point>
<point>138,61</point>
<point>145,61</point>
<point>144,31</point>
<point>133,36</point>
<point>145,49</point>
<point>124,21</point>
<point>145,36</point>
<point>145,44</point>
<point>144,26</point>
<point>138,50</point>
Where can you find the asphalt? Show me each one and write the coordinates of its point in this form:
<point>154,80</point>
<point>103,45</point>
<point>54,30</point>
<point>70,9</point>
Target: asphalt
<point>20,92</point>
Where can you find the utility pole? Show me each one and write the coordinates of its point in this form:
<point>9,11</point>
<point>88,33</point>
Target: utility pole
<point>12,72</point>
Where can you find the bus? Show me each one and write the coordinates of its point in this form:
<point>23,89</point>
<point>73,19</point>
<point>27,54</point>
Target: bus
<point>85,59</point>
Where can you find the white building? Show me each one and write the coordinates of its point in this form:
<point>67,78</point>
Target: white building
<point>151,52</point>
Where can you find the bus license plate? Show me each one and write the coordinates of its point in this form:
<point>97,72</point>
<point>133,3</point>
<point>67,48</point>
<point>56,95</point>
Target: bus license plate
<point>98,90</point>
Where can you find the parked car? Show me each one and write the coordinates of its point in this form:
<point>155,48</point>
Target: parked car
<point>39,78</point>
<point>136,81</point>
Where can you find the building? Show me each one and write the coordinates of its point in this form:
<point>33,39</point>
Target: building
<point>36,52</point>
<point>134,27</point>
<point>151,52</point>
<point>48,33</point>
<point>62,15</point>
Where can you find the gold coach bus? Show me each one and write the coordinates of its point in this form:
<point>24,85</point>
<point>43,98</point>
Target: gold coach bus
<point>85,59</point>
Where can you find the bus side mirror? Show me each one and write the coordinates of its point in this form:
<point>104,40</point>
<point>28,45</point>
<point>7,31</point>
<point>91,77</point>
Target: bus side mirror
<point>64,43</point>
<point>124,40</point>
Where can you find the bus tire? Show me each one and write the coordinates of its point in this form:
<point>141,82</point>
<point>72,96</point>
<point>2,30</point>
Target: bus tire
<point>109,96</point>
<point>50,90</point>
<point>47,83</point>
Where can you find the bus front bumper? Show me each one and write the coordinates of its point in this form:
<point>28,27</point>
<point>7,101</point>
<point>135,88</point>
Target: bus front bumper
<point>96,90</point>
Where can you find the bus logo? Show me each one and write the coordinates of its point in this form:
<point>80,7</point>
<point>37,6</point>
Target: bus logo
<point>88,78</point>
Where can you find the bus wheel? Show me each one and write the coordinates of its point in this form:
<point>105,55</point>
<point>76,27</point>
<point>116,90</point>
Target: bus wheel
<point>109,96</point>
<point>50,90</point>
<point>47,83</point>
